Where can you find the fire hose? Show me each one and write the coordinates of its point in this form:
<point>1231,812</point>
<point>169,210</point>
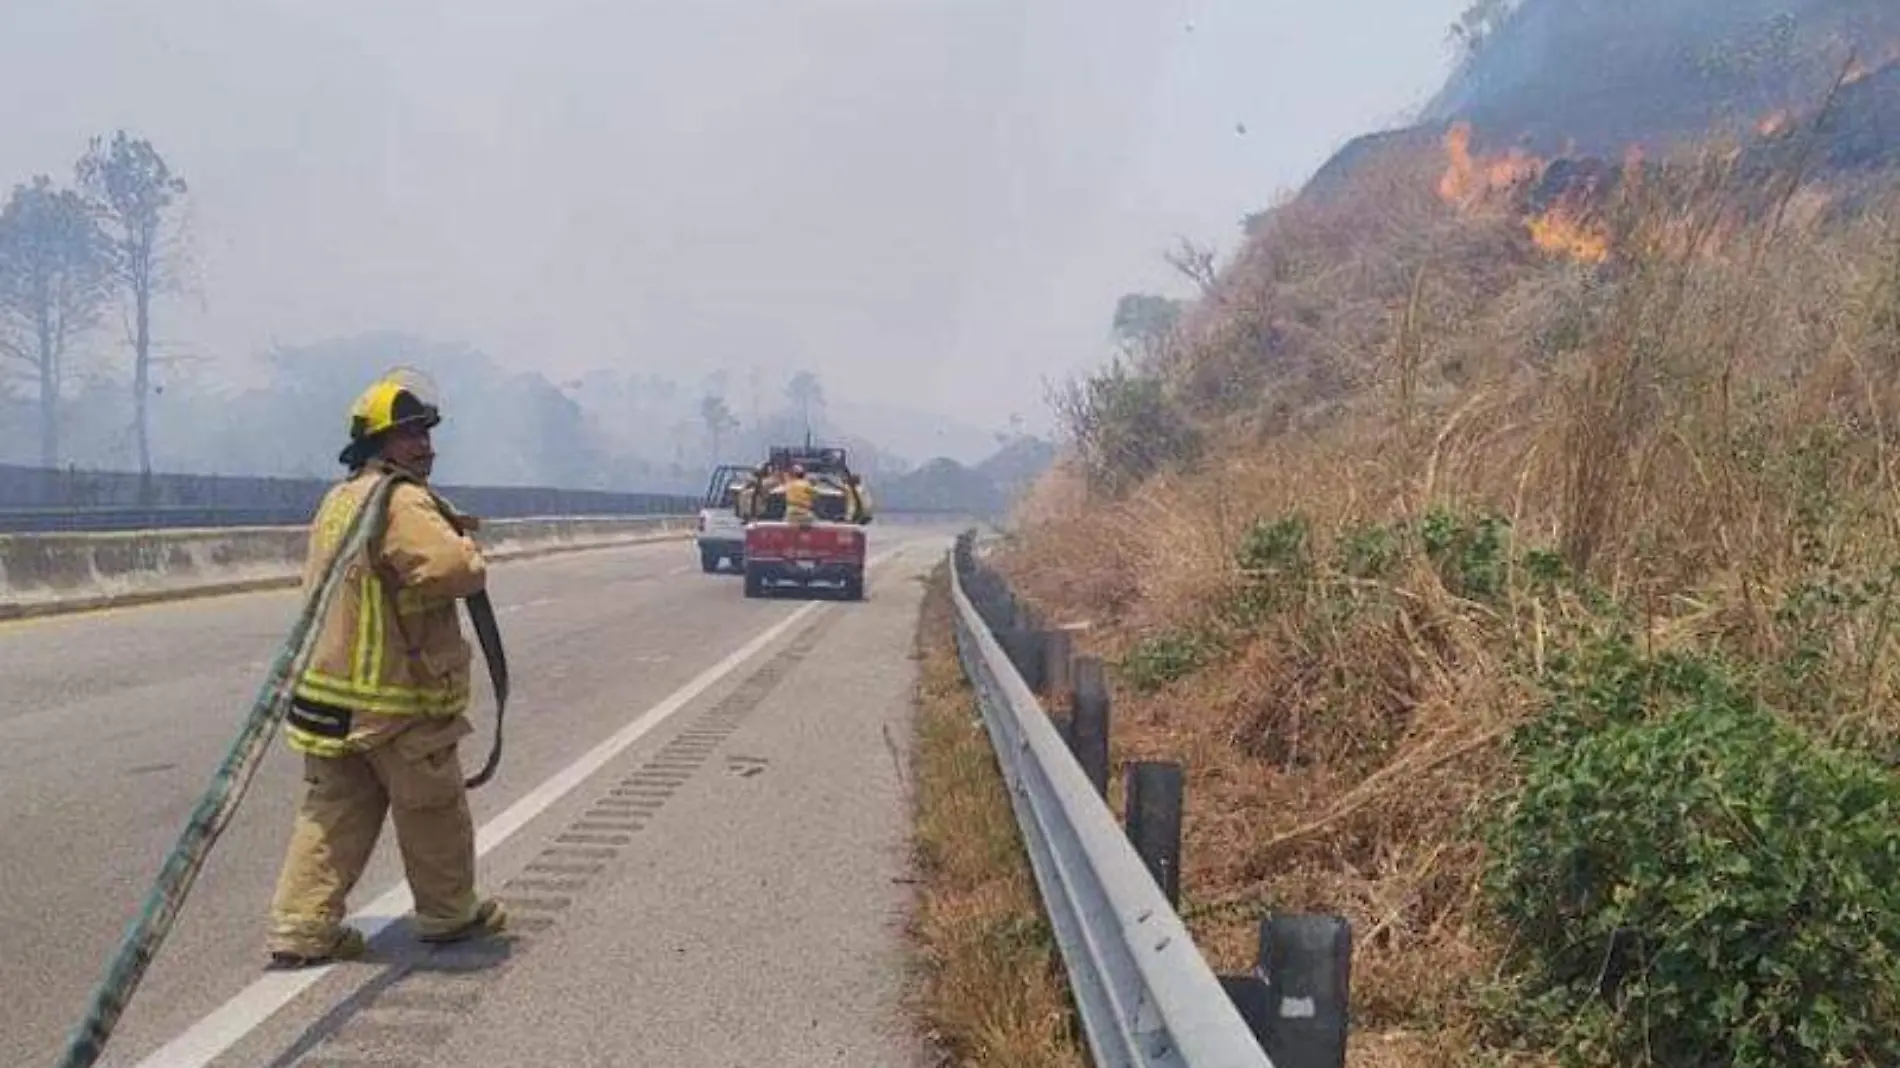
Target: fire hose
<point>148,930</point>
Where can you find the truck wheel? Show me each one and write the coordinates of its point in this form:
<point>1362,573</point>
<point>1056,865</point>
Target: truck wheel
<point>754,583</point>
<point>708,561</point>
<point>854,588</point>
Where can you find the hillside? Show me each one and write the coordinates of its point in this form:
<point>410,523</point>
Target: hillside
<point>1507,546</point>
<point>985,490</point>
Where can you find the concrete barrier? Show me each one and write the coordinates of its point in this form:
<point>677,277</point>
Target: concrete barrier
<point>47,574</point>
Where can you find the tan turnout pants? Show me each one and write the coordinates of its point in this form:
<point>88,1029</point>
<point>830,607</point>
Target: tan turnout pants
<point>414,777</point>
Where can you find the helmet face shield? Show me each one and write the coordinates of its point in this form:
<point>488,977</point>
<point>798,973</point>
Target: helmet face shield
<point>406,410</point>
<point>416,383</point>
<point>416,400</point>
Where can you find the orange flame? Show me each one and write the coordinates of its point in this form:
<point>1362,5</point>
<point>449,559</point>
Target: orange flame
<point>1468,180</point>
<point>1562,232</point>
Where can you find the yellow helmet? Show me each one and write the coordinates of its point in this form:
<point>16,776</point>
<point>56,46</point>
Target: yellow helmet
<point>403,397</point>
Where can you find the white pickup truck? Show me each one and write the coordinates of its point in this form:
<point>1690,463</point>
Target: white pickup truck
<point>721,534</point>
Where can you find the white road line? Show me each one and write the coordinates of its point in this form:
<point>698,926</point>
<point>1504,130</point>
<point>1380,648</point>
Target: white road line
<point>228,1024</point>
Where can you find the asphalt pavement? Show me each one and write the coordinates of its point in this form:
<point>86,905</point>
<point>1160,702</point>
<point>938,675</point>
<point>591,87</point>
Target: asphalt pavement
<point>699,825</point>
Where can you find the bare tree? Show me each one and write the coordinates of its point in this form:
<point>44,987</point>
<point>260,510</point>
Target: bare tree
<point>806,393</point>
<point>719,422</point>
<point>1196,263</point>
<point>135,189</point>
<point>55,279</point>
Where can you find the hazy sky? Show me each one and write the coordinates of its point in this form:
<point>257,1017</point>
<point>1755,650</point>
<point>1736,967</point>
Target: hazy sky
<point>934,201</point>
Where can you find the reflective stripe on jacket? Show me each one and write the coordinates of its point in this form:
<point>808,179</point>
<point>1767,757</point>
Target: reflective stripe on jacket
<point>391,645</point>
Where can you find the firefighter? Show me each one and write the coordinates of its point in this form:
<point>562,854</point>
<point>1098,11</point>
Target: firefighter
<point>857,501</point>
<point>378,713</point>
<point>764,485</point>
<point>800,495</point>
<point>742,499</point>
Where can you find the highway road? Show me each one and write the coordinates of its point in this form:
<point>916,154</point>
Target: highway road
<point>700,825</point>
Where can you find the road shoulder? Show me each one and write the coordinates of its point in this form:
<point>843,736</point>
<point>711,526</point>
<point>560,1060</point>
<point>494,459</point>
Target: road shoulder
<point>989,984</point>
<point>739,897</point>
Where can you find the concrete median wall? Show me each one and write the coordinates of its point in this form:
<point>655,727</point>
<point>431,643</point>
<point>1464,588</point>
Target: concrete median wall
<point>45,574</point>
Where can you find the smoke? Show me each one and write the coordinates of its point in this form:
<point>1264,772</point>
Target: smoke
<point>1595,76</point>
<point>932,205</point>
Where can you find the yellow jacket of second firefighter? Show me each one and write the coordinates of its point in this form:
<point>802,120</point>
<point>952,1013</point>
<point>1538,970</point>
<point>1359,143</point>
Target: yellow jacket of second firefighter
<point>800,495</point>
<point>391,645</point>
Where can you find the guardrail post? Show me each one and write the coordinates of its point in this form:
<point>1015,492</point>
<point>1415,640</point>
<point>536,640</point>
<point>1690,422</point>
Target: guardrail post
<point>1021,615</point>
<point>1089,719</point>
<point>1026,647</point>
<point>1001,604</point>
<point>1297,1000</point>
<point>1154,822</point>
<point>1058,652</point>
<point>1065,728</point>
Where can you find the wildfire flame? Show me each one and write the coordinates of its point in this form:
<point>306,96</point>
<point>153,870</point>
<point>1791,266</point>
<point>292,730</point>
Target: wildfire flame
<point>1563,230</point>
<point>1467,180</point>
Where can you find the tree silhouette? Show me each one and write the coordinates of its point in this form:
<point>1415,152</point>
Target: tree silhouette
<point>135,190</point>
<point>55,279</point>
<point>719,422</point>
<point>806,393</point>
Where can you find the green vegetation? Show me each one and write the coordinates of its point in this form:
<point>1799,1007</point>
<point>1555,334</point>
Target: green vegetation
<point>1689,880</point>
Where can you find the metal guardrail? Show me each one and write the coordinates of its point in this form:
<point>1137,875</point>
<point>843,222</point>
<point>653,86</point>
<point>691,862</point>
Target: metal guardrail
<point>1145,995</point>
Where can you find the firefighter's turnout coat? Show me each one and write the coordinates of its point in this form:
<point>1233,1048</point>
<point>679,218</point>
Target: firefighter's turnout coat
<point>391,646</point>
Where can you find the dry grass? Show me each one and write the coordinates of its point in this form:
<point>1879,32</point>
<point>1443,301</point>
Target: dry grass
<point>990,982</point>
<point>1704,428</point>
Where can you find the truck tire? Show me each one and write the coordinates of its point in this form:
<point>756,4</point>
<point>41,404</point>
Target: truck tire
<point>754,583</point>
<point>708,561</point>
<point>854,588</point>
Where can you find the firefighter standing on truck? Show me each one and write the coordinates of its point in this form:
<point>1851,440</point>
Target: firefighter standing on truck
<point>378,713</point>
<point>800,495</point>
<point>857,501</point>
